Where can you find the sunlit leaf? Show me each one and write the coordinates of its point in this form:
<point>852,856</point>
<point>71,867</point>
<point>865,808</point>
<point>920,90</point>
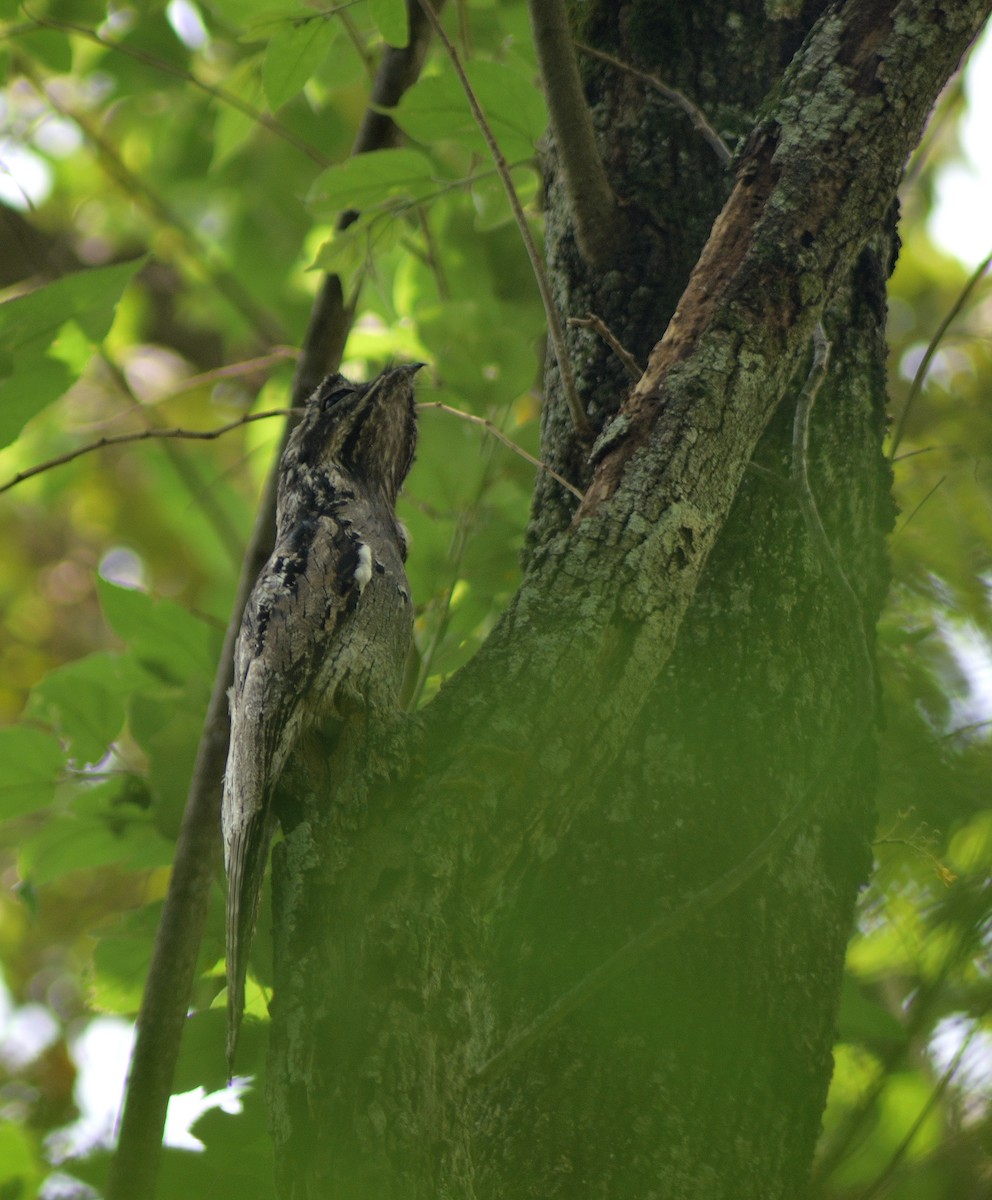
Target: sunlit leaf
<point>120,961</point>
<point>30,764</point>
<point>29,327</point>
<point>238,1149</point>
<point>169,732</point>
<point>863,1018</point>
<point>95,831</point>
<point>162,634</point>
<point>293,55</point>
<point>233,127</point>
<point>489,196</point>
<point>261,20</point>
<point>51,47</point>
<point>373,180</point>
<point>437,108</point>
<point>200,1062</point>
<point>86,701</point>
<point>345,254</point>
<point>21,1164</point>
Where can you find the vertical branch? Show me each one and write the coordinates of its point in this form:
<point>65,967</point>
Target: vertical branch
<point>600,225</point>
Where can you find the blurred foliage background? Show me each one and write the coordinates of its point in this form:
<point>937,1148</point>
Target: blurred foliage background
<point>170,178</point>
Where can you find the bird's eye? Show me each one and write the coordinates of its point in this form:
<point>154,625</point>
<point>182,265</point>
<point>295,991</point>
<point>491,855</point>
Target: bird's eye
<point>332,397</point>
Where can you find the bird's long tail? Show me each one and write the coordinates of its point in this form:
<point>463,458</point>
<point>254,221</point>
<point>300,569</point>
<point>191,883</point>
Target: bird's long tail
<point>247,852</point>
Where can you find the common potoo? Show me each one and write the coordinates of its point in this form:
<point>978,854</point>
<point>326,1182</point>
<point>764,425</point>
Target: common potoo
<point>329,614</point>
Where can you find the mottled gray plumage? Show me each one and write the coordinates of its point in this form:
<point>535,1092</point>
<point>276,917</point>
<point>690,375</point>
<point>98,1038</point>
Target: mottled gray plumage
<point>329,612</point>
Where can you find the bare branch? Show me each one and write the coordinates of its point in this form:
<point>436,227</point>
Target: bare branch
<point>142,435</point>
<point>880,1184</point>
<point>921,371</point>
<point>692,111</point>
<point>501,437</point>
<point>186,468</point>
<point>238,370</point>
<point>632,366</point>
<point>926,499</point>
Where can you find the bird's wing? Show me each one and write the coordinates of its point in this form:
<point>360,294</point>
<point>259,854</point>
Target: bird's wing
<point>285,662</point>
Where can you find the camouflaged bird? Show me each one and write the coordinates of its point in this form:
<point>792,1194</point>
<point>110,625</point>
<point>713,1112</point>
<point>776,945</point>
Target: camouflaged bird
<point>330,613</point>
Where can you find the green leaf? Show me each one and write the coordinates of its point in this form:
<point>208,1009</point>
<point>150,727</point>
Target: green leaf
<point>234,128</point>
<point>863,1019</point>
<point>346,253</point>
<point>86,701</point>
<point>492,208</point>
<point>50,47</point>
<point>21,1169</point>
<point>200,1064</point>
<point>120,961</point>
<point>30,764</point>
<point>373,180</point>
<point>162,634</point>
<point>262,24</point>
<point>96,830</point>
<point>169,731</point>
<point>390,17</point>
<point>238,1155</point>
<point>293,55</point>
<point>33,370</point>
<point>436,108</point>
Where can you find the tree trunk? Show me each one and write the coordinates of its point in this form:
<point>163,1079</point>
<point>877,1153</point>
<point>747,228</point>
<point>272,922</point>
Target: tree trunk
<point>665,749</point>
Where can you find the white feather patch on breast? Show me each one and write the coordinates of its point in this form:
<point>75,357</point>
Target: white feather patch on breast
<point>363,572</point>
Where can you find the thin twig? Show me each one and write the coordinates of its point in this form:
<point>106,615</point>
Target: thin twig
<point>923,450</point>
<point>926,1000</point>
<point>555,331</point>
<point>600,224</point>
<point>207,435</point>
<point>358,44</point>
<point>692,111</point>
<point>502,437</point>
<point>921,371</point>
<point>884,1178</point>
<point>442,612</point>
<point>632,366</point>
<point>247,366</point>
<point>902,528</point>
<point>943,872</point>
<point>142,435</point>
<point>187,469</point>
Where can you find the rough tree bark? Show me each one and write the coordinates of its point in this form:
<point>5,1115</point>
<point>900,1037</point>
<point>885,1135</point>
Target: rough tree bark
<point>679,674</point>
